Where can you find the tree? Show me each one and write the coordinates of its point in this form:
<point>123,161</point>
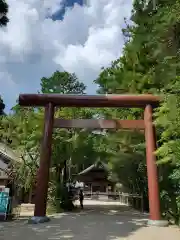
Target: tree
<point>22,131</point>
<point>64,141</point>
<point>3,13</point>
<point>62,82</point>
<point>150,64</point>
<point>2,106</point>
<point>167,120</point>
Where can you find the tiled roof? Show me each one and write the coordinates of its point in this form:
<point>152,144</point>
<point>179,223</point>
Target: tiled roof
<point>98,164</point>
<point>8,153</point>
<point>3,166</point>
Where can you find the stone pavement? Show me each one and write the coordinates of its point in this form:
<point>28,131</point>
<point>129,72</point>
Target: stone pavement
<point>97,224</point>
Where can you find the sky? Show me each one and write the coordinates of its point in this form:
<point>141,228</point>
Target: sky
<point>78,36</point>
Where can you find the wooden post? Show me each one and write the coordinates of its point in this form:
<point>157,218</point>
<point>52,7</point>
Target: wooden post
<point>153,188</point>
<point>142,203</point>
<point>91,191</point>
<point>30,195</point>
<point>43,172</point>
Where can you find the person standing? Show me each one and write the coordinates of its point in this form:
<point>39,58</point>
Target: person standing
<point>81,198</point>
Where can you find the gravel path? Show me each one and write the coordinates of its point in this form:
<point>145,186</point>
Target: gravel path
<point>97,224</point>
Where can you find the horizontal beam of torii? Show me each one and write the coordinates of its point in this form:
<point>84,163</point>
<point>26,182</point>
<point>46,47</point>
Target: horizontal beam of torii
<point>99,124</point>
<point>63,100</point>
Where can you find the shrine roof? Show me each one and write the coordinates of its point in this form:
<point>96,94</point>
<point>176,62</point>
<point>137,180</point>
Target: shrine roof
<point>96,166</point>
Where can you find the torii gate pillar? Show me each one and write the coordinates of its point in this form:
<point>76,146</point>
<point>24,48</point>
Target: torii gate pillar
<point>152,173</point>
<point>43,171</point>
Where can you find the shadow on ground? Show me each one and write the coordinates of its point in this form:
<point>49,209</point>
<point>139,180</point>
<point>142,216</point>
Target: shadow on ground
<point>96,224</point>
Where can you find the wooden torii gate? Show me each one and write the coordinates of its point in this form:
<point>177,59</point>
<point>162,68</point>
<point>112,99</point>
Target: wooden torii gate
<point>50,101</point>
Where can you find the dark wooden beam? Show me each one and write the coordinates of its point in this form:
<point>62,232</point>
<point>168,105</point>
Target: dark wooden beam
<point>111,100</point>
<point>152,172</point>
<point>99,124</point>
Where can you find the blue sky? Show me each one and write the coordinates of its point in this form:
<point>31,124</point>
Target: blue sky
<point>66,3</point>
<point>78,38</point>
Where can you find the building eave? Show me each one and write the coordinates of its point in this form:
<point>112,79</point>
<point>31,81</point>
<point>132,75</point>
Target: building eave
<point>95,165</point>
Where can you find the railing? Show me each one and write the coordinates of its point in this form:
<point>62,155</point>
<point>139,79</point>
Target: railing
<point>127,199</point>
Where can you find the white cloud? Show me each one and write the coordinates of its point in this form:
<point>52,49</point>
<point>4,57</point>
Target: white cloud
<point>33,46</point>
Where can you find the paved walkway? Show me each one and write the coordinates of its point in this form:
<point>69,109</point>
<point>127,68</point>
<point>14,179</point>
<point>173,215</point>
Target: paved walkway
<point>97,224</point>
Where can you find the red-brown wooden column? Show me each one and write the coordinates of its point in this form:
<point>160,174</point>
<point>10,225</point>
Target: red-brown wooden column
<point>45,157</point>
<point>153,188</point>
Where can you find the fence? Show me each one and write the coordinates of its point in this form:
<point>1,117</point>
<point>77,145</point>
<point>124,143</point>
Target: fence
<point>134,200</point>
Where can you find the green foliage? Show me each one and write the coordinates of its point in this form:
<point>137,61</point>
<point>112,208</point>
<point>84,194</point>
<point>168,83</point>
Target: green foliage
<point>150,64</point>
<point>128,156</point>
<point>62,82</point>
<point>167,119</point>
<point>2,106</point>
<point>22,131</point>
<point>69,148</point>
<point>3,13</point>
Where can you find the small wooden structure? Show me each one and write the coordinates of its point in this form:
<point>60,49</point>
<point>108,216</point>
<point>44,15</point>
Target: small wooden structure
<point>95,178</point>
<point>7,156</point>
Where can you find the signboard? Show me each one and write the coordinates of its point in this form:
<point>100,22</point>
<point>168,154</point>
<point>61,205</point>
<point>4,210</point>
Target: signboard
<point>4,200</point>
